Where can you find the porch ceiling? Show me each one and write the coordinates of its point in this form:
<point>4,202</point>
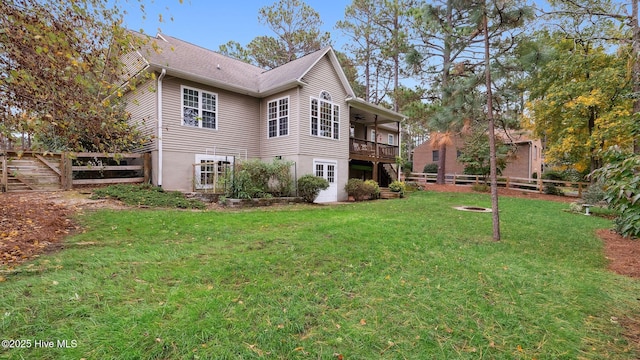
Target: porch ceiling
<point>363,112</point>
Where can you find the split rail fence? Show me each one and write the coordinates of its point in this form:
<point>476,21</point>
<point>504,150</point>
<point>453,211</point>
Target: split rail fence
<point>569,188</point>
<point>30,170</point>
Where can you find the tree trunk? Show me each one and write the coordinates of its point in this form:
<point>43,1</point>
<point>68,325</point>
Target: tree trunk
<point>446,64</point>
<point>636,72</point>
<point>492,140</point>
<point>442,155</point>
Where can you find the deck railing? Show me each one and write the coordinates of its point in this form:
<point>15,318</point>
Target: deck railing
<point>367,149</point>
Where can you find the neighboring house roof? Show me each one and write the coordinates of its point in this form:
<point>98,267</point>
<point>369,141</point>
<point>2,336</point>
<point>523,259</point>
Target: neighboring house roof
<point>191,62</point>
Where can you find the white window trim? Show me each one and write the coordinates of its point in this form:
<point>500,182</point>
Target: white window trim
<point>209,158</point>
<point>373,135</point>
<point>277,101</point>
<point>334,120</point>
<point>200,91</point>
<point>391,139</point>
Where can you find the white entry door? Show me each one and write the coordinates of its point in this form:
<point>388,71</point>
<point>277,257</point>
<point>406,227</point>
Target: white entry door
<point>327,169</point>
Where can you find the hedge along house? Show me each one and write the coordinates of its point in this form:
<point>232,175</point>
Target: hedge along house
<point>200,106</point>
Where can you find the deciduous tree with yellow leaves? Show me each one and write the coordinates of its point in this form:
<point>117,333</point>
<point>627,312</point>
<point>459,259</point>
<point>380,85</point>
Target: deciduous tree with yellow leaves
<point>59,73</point>
<point>579,100</point>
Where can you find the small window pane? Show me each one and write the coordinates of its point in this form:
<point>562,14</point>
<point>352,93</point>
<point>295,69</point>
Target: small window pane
<point>190,98</point>
<point>190,116</point>
<point>273,129</point>
<point>331,174</point>
<point>208,120</point>
<point>208,102</point>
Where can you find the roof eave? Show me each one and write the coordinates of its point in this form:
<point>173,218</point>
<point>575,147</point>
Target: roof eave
<point>282,87</point>
<point>376,109</point>
<point>205,80</point>
<point>230,87</point>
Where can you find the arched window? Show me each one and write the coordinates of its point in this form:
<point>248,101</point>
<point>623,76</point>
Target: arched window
<point>324,95</point>
<point>325,117</point>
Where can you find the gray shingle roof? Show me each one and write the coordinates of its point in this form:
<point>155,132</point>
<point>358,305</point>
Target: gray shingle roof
<point>192,62</point>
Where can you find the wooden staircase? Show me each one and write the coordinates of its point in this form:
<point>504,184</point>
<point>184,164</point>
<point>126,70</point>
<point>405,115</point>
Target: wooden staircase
<point>385,193</point>
<point>391,171</point>
<point>30,172</point>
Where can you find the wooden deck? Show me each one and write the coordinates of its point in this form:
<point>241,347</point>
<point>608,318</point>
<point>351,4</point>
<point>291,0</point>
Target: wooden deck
<point>372,151</point>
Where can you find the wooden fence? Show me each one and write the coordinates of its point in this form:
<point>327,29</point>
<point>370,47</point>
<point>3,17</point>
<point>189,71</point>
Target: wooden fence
<point>569,188</point>
<point>31,170</point>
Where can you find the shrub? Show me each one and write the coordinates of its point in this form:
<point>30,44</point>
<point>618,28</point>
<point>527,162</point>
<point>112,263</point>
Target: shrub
<point>372,188</point>
<point>147,195</point>
<point>480,188</point>
<point>397,186</point>
<point>355,188</point>
<point>572,175</point>
<point>552,189</point>
<point>552,175</point>
<point>309,186</point>
<point>257,179</point>
<point>594,193</point>
<point>362,190</point>
<point>622,186</point>
<point>430,168</point>
<point>407,167</point>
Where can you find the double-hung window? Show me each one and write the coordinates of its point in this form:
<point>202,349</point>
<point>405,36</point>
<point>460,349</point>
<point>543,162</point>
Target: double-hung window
<point>278,117</point>
<point>325,117</point>
<point>199,108</point>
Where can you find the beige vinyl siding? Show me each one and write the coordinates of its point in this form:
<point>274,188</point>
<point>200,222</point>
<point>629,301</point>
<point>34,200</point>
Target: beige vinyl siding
<point>304,165</point>
<point>323,77</point>
<point>132,64</point>
<point>141,105</point>
<point>384,131</point>
<point>281,145</point>
<point>238,122</point>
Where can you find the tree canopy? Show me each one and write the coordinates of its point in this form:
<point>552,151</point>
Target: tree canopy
<point>296,26</point>
<point>583,108</point>
<point>58,65</point>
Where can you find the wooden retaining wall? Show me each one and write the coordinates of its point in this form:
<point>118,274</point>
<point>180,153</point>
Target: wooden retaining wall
<point>29,170</point>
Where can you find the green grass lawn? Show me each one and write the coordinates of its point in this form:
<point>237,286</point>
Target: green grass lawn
<point>397,279</point>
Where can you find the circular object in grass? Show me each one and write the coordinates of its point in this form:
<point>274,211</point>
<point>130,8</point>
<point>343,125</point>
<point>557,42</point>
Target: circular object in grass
<point>473,209</point>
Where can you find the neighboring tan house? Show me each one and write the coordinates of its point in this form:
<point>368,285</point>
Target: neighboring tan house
<point>201,106</point>
<point>524,162</point>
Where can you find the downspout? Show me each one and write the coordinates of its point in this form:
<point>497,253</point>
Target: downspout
<point>159,114</point>
<point>400,150</point>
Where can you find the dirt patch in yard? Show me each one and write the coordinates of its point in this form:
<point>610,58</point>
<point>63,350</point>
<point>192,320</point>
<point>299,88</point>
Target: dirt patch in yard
<point>33,223</point>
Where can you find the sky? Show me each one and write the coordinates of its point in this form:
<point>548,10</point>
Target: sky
<point>211,23</point>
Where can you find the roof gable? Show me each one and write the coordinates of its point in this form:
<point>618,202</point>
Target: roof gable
<point>185,60</point>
